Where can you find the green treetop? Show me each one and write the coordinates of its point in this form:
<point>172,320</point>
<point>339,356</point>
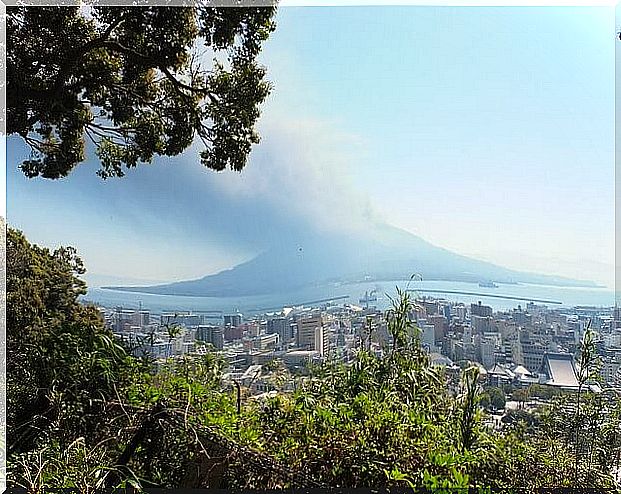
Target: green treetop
<point>136,82</point>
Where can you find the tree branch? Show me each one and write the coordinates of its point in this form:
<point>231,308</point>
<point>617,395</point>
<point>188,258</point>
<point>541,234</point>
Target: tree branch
<point>118,47</point>
<point>80,52</point>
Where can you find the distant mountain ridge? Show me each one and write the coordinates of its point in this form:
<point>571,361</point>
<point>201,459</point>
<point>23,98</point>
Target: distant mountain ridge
<point>381,252</point>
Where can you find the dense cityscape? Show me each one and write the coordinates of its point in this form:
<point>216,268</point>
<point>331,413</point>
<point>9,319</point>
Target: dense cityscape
<point>514,349</point>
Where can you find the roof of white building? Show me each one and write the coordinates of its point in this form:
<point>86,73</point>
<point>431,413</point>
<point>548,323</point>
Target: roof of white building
<point>501,370</point>
<point>439,359</point>
<point>252,372</point>
<point>521,370</point>
<point>560,369</point>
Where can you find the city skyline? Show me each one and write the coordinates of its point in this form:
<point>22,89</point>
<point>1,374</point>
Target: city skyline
<point>452,123</point>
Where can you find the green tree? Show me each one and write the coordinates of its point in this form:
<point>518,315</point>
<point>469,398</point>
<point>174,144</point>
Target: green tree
<point>484,400</point>
<point>497,397</point>
<point>599,448</point>
<point>545,392</point>
<point>588,370</point>
<point>136,82</point>
<point>521,396</point>
<point>60,359</point>
<point>516,416</point>
<point>469,399</point>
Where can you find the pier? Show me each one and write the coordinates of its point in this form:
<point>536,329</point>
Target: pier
<point>490,295</point>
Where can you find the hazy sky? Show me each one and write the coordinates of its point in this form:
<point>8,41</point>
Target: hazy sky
<point>488,131</point>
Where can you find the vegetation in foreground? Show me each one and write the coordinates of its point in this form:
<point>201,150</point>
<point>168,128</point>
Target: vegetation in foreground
<point>85,414</point>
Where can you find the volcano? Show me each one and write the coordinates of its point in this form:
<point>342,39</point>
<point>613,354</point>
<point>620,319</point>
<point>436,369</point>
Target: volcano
<point>381,252</point>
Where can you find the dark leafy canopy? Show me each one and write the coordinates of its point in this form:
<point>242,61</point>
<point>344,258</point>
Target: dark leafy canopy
<point>135,81</point>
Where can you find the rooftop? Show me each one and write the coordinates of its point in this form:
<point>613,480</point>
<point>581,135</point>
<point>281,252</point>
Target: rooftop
<point>560,370</point>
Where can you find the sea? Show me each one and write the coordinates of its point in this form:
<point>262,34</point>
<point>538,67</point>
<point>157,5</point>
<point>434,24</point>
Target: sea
<point>501,297</point>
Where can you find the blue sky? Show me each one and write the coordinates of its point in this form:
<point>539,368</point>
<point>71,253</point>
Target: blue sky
<point>488,131</point>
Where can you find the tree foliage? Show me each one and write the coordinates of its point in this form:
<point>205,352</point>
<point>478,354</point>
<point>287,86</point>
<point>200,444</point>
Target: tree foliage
<point>61,358</point>
<point>135,82</point>
<point>544,392</point>
<point>497,397</point>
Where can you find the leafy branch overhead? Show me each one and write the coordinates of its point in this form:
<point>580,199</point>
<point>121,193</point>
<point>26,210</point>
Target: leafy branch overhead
<point>136,82</point>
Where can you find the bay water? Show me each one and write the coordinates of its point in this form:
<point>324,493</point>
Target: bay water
<point>354,293</point>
